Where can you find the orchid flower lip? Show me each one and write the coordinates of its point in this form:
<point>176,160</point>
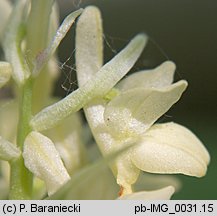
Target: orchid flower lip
<point>142,98</point>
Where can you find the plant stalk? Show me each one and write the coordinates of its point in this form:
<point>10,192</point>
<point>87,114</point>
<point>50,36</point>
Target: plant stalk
<point>21,178</point>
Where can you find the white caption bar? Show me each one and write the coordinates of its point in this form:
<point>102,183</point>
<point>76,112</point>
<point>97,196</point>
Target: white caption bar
<point>108,208</point>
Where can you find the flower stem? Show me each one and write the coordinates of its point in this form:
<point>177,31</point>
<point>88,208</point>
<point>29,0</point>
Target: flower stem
<point>21,178</point>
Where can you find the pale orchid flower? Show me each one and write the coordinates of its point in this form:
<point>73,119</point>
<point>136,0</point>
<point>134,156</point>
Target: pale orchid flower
<point>127,114</point>
<point>121,117</point>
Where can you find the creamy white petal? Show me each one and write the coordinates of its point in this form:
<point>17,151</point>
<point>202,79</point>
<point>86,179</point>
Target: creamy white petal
<point>42,158</point>
<point>8,151</point>
<point>134,111</point>
<point>104,80</point>
<point>45,55</point>
<point>161,194</point>
<point>89,44</point>
<point>5,73</point>
<point>171,148</point>
<point>5,11</point>
<point>159,77</point>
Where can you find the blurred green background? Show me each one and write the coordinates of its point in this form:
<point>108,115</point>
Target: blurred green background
<point>184,31</point>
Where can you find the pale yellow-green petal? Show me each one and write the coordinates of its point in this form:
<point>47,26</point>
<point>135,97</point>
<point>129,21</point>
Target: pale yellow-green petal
<point>134,111</point>
<point>89,44</point>
<point>171,148</point>
<point>161,194</point>
<point>158,77</point>
<point>104,80</point>
<point>5,73</point>
<point>42,158</point>
<point>45,55</point>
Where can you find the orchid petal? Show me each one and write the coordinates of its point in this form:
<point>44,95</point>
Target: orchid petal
<point>104,80</point>
<point>45,55</point>
<point>158,77</point>
<point>89,44</point>
<point>42,158</point>
<point>171,148</point>
<point>161,194</point>
<point>134,111</point>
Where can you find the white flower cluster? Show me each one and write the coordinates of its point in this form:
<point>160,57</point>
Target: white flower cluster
<point>121,113</point>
